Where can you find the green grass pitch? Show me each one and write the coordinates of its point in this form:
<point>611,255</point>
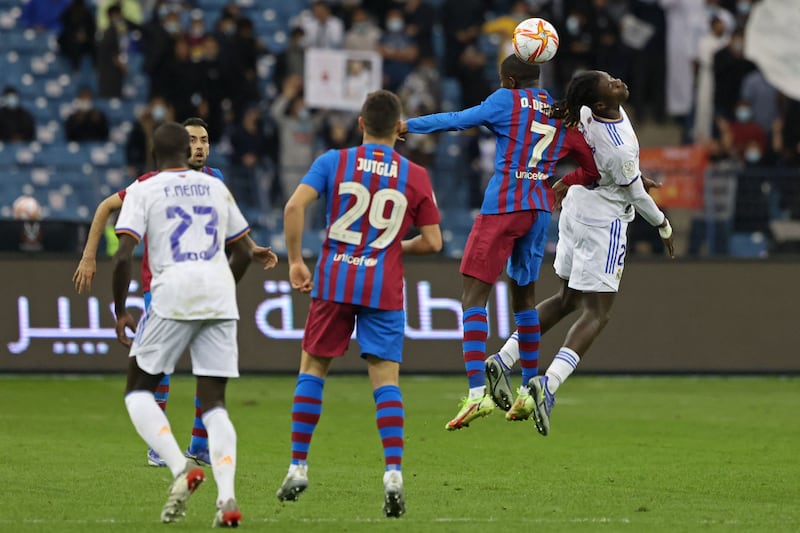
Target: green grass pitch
<point>625,454</point>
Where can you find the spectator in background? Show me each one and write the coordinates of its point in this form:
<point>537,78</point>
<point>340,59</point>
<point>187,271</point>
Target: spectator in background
<point>761,95</point>
<point>474,85</point>
<point>322,28</point>
<point>461,22</point>
<point>249,144</point>
<point>130,10</point>
<point>503,27</point>
<point>297,130</point>
<point>730,68</point>
<point>399,51</point>
<point>196,35</point>
<point>43,15</point>
<point>291,62</point>
<point>575,45</point>
<point>743,138</point>
<point>243,76</point>
<point>16,122</point>
<point>86,123</point>
<point>420,18</point>
<point>157,45</point>
<point>212,84</point>
<point>709,45</point>
<point>363,34</point>
<point>182,82</point>
<point>76,39</point>
<point>111,60</point>
<point>138,151</point>
<point>606,46</point>
<point>420,95</point>
<point>648,66</point>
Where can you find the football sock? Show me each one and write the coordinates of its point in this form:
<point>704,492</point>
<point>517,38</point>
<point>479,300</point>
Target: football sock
<point>390,417</point>
<point>476,329</point>
<point>162,392</point>
<point>199,440</point>
<point>509,353</point>
<point>529,334</point>
<point>306,408</point>
<point>564,363</point>
<point>222,451</point>
<point>152,425</point>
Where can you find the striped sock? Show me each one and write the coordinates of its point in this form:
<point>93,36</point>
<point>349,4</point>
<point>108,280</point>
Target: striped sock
<point>162,393</point>
<point>564,363</point>
<point>529,334</point>
<point>306,408</point>
<point>476,329</point>
<point>390,417</point>
<point>199,441</point>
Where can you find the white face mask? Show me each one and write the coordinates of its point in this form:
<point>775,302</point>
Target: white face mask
<point>744,114</point>
<point>159,113</point>
<point>752,155</point>
<point>395,25</point>
<point>83,105</point>
<point>11,100</point>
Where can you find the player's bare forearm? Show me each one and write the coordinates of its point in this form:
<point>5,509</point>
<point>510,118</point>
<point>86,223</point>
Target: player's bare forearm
<point>429,241</point>
<point>121,273</point>
<point>262,254</point>
<point>84,274</point>
<point>241,255</point>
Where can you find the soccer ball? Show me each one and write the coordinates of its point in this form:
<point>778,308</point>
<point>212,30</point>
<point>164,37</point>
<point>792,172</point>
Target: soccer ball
<point>535,40</point>
<point>26,208</point>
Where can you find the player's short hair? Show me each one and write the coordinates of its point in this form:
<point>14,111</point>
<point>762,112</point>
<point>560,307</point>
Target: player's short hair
<point>582,90</point>
<point>526,74</point>
<point>380,113</point>
<point>195,121</point>
<point>170,141</point>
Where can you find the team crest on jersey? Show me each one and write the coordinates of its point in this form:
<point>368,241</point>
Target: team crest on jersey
<point>629,169</point>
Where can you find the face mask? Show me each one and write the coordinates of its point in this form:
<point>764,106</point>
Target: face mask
<point>12,101</point>
<point>303,114</point>
<point>743,114</point>
<point>573,25</point>
<point>172,27</point>
<point>360,27</point>
<point>159,113</point>
<point>752,155</point>
<point>743,8</point>
<point>229,30</point>
<point>395,25</point>
<point>83,105</point>
<point>163,11</point>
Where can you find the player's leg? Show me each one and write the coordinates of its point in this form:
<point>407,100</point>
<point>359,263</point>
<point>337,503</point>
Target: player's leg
<point>198,445</point>
<point>380,336</point>
<point>158,345</point>
<point>327,335</point>
<point>161,395</point>
<point>215,359</point>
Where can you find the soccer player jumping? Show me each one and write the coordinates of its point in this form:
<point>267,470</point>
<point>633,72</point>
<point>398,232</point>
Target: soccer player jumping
<point>373,195</point>
<point>512,225</point>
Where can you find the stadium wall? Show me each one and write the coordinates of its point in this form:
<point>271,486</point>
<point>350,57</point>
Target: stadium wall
<point>670,317</point>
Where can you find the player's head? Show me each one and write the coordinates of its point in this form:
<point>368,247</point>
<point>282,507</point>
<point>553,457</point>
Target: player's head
<point>199,142</point>
<point>517,74</point>
<point>170,146</point>
<point>595,89</point>
<point>380,116</point>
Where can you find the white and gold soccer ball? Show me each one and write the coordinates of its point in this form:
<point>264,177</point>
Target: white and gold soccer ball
<point>26,208</point>
<point>535,40</point>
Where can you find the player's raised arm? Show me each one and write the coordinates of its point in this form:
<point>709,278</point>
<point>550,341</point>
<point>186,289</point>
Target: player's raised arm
<point>458,120</point>
<point>84,274</point>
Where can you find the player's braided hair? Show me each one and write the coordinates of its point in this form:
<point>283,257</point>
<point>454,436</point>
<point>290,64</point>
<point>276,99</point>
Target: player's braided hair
<point>581,91</point>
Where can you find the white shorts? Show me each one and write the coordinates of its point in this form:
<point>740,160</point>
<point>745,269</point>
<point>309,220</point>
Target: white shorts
<point>590,257</point>
<point>160,342</point>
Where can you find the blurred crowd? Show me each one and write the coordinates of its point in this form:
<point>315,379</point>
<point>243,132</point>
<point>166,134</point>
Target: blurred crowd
<point>682,59</point>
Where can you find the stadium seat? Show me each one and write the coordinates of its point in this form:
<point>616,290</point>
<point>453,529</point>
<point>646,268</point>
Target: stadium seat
<point>748,245</point>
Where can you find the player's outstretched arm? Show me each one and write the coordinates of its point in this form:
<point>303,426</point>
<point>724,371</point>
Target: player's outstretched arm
<point>241,254</point>
<point>293,222</point>
<point>262,254</point>
<point>429,241</point>
<point>84,274</point>
<point>120,279</point>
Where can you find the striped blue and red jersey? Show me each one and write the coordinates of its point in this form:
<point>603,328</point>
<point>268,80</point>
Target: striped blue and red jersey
<point>147,276</point>
<point>529,144</point>
<point>373,196</point>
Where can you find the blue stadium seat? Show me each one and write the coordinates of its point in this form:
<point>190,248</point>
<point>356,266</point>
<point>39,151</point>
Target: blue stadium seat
<point>748,245</point>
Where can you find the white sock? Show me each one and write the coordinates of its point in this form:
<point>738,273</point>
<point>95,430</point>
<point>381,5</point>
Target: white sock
<point>152,425</point>
<point>509,353</point>
<point>563,365</point>
<point>222,451</point>
<point>477,392</point>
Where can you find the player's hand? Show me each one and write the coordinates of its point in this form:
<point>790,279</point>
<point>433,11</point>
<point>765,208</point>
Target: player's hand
<point>666,234</point>
<point>300,277</point>
<point>84,274</point>
<point>650,184</point>
<point>125,320</point>
<point>560,190</point>
<point>670,246</point>
<point>401,132</point>
<point>265,256</point>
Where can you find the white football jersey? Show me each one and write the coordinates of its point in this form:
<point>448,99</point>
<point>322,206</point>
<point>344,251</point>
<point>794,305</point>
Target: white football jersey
<point>616,153</point>
<point>187,217</point>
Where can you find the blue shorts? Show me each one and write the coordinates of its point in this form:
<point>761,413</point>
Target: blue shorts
<point>147,298</point>
<point>526,259</point>
<point>330,324</point>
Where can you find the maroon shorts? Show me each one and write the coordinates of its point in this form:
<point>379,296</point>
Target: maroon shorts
<point>492,241</point>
